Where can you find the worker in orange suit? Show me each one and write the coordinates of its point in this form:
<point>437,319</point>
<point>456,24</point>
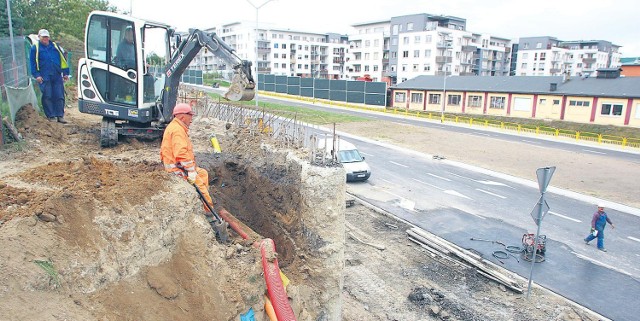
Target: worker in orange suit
<point>176,152</point>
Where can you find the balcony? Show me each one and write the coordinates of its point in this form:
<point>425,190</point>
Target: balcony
<point>466,62</point>
<point>467,73</point>
<point>443,73</point>
<point>443,59</point>
<point>292,60</point>
<point>555,70</point>
<point>469,48</point>
<point>262,50</point>
<point>588,60</point>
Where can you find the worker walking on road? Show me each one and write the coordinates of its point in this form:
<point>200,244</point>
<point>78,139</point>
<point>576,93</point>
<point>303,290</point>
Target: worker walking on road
<point>598,222</point>
<point>176,152</point>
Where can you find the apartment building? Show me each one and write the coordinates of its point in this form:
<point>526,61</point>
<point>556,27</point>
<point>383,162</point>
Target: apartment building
<point>408,46</point>
<point>280,51</point>
<point>548,56</point>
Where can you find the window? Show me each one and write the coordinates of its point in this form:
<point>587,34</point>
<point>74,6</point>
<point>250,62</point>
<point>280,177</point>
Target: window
<point>375,67</point>
<point>375,56</point>
<point>525,55</point>
<point>611,109</point>
<point>275,45</point>
<point>538,45</point>
<point>284,56</point>
<point>434,99</point>
<point>284,66</point>
<point>275,55</point>
<point>404,67</point>
<point>405,54</point>
<point>497,102</point>
<point>366,68</point>
<point>416,97</point>
<point>637,111</point>
<point>543,101</point>
<point>405,40</point>
<point>522,104</point>
<point>394,41</point>
<point>366,56</point>
<point>524,65</point>
<point>427,53</point>
<point>416,54</point>
<point>556,101</point>
<point>395,29</point>
<point>284,46</point>
<point>427,67</point>
<point>427,39</point>
<point>579,103</point>
<point>400,97</point>
<point>367,43</point>
<point>475,101</point>
<point>376,42</point>
<point>415,67</point>
<point>409,26</point>
<point>416,39</point>
<point>453,100</point>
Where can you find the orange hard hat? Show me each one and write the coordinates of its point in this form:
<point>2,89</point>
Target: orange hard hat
<point>182,108</point>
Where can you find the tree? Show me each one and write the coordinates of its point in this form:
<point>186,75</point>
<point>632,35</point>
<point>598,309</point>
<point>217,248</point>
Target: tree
<point>16,21</point>
<point>57,16</point>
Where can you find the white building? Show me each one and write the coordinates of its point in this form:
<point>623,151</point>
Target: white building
<point>280,52</point>
<point>408,46</point>
<point>548,56</point>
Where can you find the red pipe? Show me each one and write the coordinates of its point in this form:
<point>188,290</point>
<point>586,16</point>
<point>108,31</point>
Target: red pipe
<point>226,216</point>
<point>275,289</point>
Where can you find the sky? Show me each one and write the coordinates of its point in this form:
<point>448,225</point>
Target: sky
<point>611,20</point>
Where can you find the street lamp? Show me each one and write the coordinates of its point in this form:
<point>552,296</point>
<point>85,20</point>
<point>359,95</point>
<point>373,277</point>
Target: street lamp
<point>445,44</point>
<point>256,60</point>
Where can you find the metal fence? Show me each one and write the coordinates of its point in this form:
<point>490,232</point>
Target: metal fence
<point>348,91</point>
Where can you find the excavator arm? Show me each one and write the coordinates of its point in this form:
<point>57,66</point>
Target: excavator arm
<point>242,83</point>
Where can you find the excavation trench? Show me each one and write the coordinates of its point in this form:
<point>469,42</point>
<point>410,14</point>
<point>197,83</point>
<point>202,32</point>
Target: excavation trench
<point>107,234</point>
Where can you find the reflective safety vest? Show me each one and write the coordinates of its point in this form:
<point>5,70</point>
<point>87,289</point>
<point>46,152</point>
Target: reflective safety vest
<point>63,60</point>
<point>176,150</point>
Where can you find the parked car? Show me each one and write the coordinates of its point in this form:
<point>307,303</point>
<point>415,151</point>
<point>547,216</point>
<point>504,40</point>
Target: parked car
<point>350,158</point>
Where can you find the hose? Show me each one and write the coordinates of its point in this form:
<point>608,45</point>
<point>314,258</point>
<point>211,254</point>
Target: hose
<point>232,223</point>
<point>275,289</point>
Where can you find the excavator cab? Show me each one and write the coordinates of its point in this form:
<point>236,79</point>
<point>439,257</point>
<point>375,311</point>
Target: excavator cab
<point>132,69</point>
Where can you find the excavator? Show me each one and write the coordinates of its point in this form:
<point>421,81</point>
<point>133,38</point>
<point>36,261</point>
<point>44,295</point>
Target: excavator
<point>132,69</point>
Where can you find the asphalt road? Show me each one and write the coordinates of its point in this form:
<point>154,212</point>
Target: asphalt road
<point>460,202</point>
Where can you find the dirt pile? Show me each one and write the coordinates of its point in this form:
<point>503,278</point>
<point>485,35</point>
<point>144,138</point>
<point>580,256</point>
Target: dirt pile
<point>106,234</point>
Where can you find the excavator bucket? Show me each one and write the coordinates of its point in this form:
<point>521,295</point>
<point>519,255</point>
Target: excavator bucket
<point>240,89</point>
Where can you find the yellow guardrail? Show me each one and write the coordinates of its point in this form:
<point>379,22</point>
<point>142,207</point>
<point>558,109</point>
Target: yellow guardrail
<point>537,130</point>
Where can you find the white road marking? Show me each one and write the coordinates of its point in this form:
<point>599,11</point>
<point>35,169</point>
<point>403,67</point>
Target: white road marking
<point>425,183</point>
<point>452,192</point>
<point>485,182</point>
<point>365,154</point>
<point>530,142</point>
<point>633,238</point>
<point>565,217</point>
<point>593,151</point>
<point>387,181</point>
<point>487,192</point>
<point>440,177</point>
<point>484,134</point>
<point>394,163</point>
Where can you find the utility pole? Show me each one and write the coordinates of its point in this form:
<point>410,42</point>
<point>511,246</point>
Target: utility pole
<point>256,36</point>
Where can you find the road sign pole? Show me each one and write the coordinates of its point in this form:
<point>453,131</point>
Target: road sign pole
<point>543,189</point>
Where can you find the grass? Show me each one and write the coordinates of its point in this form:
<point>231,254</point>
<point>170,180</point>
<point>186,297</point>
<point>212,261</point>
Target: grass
<point>300,113</point>
<point>47,266</point>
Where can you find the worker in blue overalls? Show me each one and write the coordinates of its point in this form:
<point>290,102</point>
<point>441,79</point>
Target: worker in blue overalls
<point>50,69</point>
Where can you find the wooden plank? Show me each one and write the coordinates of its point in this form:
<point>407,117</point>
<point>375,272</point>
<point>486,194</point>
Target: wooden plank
<point>12,129</point>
